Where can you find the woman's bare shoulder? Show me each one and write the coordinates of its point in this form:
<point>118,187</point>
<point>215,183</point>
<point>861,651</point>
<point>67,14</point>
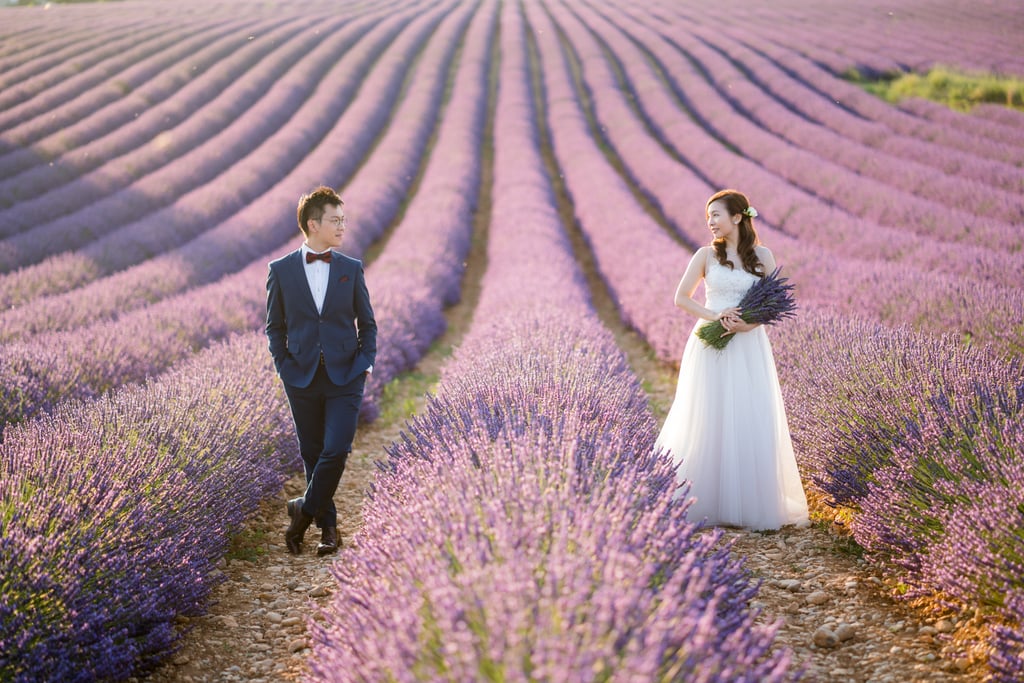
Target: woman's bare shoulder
<point>766,257</point>
<point>698,262</point>
<point>701,253</point>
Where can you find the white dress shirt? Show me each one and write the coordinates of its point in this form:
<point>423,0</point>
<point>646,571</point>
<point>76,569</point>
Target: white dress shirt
<point>317,275</point>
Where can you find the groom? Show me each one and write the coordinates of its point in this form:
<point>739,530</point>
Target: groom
<point>324,340</point>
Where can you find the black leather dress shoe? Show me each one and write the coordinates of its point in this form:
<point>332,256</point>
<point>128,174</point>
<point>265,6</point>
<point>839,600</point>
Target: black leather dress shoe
<point>297,528</point>
<point>328,541</point>
<point>294,507</point>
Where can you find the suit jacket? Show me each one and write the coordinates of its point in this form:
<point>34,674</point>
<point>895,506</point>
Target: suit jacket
<point>345,332</point>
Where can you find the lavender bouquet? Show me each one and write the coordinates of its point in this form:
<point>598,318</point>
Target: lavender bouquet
<point>768,300</point>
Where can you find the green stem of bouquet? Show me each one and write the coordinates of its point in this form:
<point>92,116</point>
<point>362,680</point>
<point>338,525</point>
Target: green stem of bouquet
<point>713,334</point>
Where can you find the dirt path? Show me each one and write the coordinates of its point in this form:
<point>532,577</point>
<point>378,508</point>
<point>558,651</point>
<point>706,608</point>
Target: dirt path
<point>837,617</point>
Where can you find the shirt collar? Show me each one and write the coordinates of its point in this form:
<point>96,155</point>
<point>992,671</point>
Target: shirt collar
<point>306,249</point>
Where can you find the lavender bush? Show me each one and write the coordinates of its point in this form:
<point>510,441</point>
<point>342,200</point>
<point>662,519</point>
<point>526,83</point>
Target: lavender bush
<point>870,388</point>
<point>115,512</point>
<point>922,438</point>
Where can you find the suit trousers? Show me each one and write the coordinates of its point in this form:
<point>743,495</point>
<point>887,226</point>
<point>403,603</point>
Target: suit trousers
<point>325,417</point>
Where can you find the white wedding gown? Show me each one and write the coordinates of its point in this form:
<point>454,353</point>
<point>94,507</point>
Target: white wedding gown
<point>726,431</point>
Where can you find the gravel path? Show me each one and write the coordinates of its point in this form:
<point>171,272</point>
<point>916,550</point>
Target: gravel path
<point>837,617</point>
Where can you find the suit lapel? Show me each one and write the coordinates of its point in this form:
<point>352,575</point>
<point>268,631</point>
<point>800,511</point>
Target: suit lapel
<point>332,277</point>
<point>301,282</point>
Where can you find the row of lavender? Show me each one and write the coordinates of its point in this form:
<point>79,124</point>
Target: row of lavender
<point>420,271</point>
<point>165,193</point>
<point>929,433</point>
<point>923,440</point>
<point>528,530</point>
<point>114,513</point>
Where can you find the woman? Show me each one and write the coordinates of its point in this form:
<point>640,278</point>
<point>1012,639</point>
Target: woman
<point>726,431</point>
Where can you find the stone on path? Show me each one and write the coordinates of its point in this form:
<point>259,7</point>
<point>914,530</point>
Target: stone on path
<point>824,637</point>
<point>818,598</point>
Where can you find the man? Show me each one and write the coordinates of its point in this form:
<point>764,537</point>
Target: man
<point>323,338</point>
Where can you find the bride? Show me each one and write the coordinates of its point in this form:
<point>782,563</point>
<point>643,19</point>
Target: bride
<point>726,431</point>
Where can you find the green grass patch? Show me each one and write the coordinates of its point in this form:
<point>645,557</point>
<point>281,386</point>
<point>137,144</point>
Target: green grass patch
<point>248,545</point>
<point>959,90</point>
<point>400,398</point>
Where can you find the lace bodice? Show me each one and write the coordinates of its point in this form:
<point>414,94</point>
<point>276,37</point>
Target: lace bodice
<point>724,287</point>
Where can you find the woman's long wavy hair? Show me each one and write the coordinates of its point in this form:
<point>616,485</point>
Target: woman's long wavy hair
<point>737,203</point>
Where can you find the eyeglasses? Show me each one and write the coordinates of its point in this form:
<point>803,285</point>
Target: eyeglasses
<point>335,221</point>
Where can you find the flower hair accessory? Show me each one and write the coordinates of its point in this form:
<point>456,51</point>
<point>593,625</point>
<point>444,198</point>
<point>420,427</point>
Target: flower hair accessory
<point>750,211</point>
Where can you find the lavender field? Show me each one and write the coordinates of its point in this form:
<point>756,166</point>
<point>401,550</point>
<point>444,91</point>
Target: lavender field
<point>151,156</point>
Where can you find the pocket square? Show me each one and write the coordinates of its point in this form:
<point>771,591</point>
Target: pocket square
<point>344,278</point>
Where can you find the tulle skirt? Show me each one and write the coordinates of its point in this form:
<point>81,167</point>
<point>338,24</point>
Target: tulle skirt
<point>727,435</point>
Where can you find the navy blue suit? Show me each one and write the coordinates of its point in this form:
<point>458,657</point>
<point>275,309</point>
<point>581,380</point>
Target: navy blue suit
<point>322,358</point>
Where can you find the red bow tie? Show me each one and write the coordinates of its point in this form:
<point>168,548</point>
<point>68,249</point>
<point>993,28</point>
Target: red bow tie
<point>325,257</point>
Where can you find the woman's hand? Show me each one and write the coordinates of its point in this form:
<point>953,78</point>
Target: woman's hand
<point>732,322</point>
<point>729,314</point>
